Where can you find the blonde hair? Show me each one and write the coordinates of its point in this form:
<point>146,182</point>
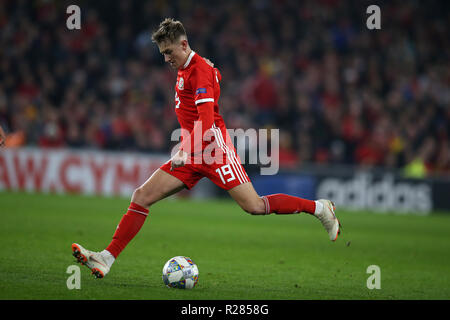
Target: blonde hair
<point>169,30</point>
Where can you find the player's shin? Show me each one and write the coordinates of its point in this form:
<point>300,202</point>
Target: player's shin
<point>285,204</point>
<point>128,227</point>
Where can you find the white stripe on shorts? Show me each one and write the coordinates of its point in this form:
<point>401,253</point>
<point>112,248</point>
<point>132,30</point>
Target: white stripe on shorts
<point>234,159</point>
<point>239,171</point>
<point>226,151</point>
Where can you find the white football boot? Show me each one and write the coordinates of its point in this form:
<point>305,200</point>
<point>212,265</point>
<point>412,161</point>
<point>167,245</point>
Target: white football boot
<point>93,260</point>
<point>328,219</point>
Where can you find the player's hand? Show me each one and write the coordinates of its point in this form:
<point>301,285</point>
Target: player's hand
<point>178,160</point>
<point>209,62</point>
<point>2,137</point>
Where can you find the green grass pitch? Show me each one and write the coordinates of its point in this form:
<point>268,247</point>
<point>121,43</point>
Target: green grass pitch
<point>239,256</point>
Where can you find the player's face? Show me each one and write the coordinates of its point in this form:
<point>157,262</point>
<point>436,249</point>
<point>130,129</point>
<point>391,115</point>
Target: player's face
<point>174,53</point>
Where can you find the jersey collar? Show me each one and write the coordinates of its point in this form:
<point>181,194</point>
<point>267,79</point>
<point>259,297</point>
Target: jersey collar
<point>191,55</point>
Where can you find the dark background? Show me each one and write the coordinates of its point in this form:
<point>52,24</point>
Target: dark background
<point>338,92</point>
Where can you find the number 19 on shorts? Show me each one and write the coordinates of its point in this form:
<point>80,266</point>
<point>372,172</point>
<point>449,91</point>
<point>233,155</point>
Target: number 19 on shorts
<point>225,172</point>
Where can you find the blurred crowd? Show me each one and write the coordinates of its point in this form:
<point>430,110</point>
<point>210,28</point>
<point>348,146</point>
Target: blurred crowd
<point>339,92</point>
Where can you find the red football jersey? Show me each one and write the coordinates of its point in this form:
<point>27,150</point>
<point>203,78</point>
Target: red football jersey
<point>197,83</point>
<point>197,93</point>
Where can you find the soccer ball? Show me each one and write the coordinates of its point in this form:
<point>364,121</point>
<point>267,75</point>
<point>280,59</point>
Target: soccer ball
<point>180,272</point>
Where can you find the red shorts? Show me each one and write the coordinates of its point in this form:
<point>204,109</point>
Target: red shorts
<point>226,174</point>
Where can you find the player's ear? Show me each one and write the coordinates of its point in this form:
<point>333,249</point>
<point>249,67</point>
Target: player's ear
<point>184,44</point>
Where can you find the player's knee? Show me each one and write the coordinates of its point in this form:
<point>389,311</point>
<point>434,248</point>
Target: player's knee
<point>143,197</point>
<point>253,209</point>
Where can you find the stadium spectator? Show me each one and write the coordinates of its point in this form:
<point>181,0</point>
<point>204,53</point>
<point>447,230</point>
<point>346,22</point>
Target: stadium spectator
<point>340,94</point>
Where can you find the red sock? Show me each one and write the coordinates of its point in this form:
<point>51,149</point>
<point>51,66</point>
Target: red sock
<point>128,227</point>
<point>280,203</point>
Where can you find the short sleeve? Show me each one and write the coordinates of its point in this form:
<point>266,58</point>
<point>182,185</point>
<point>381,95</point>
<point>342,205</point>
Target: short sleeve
<point>201,80</point>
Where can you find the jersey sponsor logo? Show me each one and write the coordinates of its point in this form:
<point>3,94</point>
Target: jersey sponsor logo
<point>181,84</point>
<point>200,90</point>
